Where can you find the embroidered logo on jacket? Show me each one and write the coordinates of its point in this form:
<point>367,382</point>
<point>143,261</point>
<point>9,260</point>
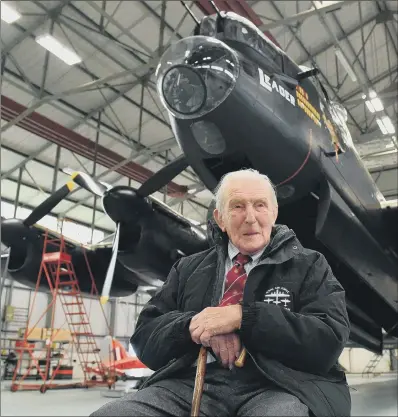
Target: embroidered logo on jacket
<point>278,296</point>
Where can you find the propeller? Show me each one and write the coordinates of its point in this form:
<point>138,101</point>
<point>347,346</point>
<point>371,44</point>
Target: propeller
<point>87,182</point>
<point>47,205</point>
<point>119,202</point>
<point>152,184</point>
<point>79,178</point>
<point>163,176</point>
<point>106,289</point>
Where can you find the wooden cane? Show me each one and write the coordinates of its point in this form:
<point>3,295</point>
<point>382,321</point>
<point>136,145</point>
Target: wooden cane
<point>200,378</point>
<point>199,381</point>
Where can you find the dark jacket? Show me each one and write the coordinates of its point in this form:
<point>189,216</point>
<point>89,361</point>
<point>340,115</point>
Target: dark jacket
<point>294,322</point>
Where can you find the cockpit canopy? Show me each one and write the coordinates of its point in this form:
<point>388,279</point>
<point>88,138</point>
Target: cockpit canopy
<point>239,29</point>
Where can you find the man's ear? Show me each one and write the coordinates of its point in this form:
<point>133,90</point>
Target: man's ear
<point>275,213</point>
<point>218,218</point>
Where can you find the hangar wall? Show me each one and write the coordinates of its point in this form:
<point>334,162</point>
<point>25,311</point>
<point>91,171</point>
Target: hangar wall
<point>121,315</point>
<point>118,315</point>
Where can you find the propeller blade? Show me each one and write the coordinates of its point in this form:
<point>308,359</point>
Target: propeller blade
<point>89,183</point>
<point>47,205</point>
<point>163,176</point>
<point>111,268</point>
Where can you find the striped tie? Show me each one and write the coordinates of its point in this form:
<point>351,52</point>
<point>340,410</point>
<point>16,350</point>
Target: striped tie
<point>235,281</point>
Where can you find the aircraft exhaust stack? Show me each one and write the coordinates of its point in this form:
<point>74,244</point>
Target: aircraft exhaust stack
<point>195,75</point>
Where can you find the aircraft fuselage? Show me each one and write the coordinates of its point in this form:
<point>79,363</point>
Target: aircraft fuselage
<point>287,131</point>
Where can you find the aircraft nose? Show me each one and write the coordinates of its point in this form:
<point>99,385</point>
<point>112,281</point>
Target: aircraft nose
<point>195,75</point>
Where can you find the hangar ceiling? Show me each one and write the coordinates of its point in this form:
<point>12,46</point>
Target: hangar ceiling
<point>102,115</point>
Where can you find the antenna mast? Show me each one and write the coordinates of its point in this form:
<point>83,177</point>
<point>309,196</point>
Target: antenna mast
<point>215,8</point>
<point>190,12</point>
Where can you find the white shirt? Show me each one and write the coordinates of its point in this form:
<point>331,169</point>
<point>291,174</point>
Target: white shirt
<point>232,252</point>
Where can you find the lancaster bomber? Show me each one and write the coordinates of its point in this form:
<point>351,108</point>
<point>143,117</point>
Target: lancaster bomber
<point>236,100</point>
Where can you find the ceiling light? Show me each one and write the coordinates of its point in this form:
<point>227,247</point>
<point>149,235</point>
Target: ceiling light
<point>381,126</point>
<point>385,125</point>
<point>388,124</point>
<point>345,64</point>
<point>374,104</point>
<point>8,13</point>
<point>377,104</point>
<point>55,47</point>
<point>370,106</point>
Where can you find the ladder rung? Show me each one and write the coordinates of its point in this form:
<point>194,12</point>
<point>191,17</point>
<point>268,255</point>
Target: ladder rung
<point>61,257</point>
<point>73,304</point>
<point>74,282</point>
<point>82,334</point>
<point>80,323</point>
<point>75,314</point>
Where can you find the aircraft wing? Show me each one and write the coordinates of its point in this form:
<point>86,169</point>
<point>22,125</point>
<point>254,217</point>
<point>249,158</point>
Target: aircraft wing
<point>148,247</point>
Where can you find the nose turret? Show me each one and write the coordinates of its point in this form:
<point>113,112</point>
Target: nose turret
<point>195,75</point>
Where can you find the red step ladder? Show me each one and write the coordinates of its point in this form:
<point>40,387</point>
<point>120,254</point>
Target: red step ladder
<point>58,269</point>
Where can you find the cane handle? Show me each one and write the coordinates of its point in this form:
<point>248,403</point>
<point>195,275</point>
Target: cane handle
<point>241,360</point>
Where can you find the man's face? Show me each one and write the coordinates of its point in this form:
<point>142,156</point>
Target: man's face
<point>248,213</point>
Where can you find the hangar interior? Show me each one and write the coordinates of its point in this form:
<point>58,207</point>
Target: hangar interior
<point>78,93</point>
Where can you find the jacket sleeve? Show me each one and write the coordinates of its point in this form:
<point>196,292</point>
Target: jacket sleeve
<point>162,332</point>
<point>311,339</point>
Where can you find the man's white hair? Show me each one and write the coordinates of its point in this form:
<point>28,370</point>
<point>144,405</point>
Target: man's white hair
<point>249,172</point>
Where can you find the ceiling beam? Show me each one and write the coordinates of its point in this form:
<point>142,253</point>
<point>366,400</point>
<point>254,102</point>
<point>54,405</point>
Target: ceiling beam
<point>323,48</point>
<point>54,132</point>
<point>299,17</point>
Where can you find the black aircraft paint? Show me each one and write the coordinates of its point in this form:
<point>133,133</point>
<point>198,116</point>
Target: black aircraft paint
<point>235,100</point>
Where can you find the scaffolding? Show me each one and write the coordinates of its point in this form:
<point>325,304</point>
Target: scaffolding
<point>57,268</point>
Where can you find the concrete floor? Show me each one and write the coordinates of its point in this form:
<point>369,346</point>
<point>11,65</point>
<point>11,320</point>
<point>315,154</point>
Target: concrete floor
<point>370,396</point>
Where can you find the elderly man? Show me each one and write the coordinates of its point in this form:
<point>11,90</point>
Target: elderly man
<point>257,288</point>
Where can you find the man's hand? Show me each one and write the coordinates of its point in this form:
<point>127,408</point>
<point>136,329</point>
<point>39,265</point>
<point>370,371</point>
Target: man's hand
<point>226,347</point>
<point>213,321</point>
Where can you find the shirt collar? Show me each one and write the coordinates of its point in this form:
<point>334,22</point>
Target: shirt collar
<point>233,251</point>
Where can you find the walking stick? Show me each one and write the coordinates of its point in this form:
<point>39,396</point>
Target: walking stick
<point>200,378</point>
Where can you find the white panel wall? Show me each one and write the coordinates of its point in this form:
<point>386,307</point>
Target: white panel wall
<point>356,359</point>
<point>127,311</point>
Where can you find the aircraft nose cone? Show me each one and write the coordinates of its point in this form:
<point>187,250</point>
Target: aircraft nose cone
<point>13,232</point>
<point>123,204</point>
<point>195,75</point>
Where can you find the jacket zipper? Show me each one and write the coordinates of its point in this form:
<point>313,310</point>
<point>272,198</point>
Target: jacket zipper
<point>260,369</point>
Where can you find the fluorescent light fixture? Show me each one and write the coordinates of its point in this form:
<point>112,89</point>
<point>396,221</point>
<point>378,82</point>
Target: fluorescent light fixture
<point>55,47</point>
<point>381,126</point>
<point>388,124</point>
<point>377,104</point>
<point>370,106</point>
<point>385,125</point>
<point>345,64</point>
<point>8,13</point>
<point>374,104</point>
